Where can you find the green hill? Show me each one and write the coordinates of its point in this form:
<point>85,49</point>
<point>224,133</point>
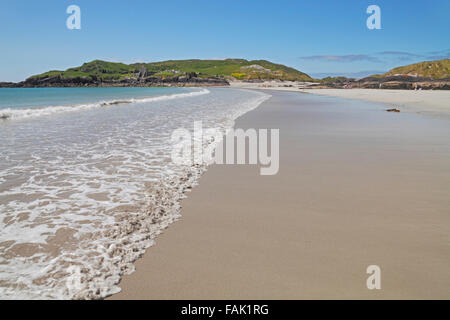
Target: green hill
<point>236,68</point>
<point>93,70</point>
<point>439,69</point>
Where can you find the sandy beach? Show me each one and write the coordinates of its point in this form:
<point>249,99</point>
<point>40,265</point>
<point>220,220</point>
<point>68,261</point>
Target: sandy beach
<point>434,103</point>
<point>426,102</point>
<point>357,186</point>
<point>196,154</point>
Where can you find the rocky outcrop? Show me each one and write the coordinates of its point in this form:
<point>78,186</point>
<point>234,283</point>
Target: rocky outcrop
<point>390,82</point>
<point>403,82</point>
<point>8,85</point>
<point>142,80</point>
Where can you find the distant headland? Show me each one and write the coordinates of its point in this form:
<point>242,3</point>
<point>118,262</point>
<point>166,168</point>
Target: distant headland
<point>166,73</point>
<point>202,73</point>
<point>427,75</point>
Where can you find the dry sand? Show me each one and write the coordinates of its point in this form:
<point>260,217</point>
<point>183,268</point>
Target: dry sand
<point>427,102</point>
<point>357,186</point>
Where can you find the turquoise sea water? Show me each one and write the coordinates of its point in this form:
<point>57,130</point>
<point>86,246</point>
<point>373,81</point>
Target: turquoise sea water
<point>41,97</point>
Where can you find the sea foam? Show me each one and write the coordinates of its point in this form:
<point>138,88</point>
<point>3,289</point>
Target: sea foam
<point>13,113</point>
<point>84,194</point>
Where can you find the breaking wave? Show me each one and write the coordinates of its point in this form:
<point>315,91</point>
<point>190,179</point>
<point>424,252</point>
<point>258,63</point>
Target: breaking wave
<point>14,114</point>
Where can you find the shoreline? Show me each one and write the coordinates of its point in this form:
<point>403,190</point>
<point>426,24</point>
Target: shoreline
<point>294,235</point>
<point>136,193</point>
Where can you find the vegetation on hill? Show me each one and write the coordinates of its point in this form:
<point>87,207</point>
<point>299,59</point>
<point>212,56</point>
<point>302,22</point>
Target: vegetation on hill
<point>236,68</point>
<point>439,69</point>
<point>335,79</point>
<point>96,69</point>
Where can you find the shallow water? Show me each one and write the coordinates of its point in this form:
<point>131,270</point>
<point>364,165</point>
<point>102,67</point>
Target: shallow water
<point>41,97</point>
<point>87,183</point>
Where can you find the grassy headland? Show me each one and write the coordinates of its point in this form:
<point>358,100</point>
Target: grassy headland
<point>235,68</point>
<point>438,69</point>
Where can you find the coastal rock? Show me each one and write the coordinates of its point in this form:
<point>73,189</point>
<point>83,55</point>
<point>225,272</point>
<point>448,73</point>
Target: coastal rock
<point>184,73</point>
<point>388,82</point>
<point>141,81</point>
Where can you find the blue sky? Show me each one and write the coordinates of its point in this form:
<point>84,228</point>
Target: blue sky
<point>318,37</point>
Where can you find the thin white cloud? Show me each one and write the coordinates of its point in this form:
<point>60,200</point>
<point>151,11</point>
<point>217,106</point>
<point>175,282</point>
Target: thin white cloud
<point>343,58</point>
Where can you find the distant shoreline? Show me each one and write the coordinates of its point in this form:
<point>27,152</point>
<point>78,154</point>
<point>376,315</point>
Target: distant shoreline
<point>157,83</point>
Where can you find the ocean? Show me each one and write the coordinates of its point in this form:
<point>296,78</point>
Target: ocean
<point>87,181</point>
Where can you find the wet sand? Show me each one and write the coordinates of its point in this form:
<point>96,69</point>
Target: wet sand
<point>357,186</point>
